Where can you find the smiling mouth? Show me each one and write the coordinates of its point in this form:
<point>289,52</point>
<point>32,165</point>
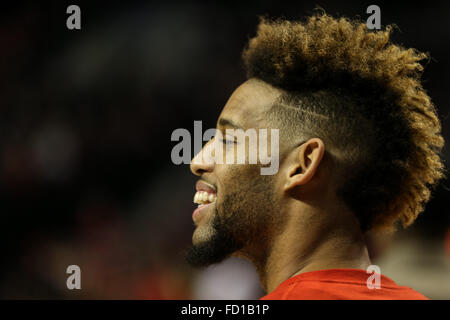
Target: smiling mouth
<point>203,198</point>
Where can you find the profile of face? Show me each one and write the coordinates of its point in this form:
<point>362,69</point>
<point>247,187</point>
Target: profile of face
<point>238,206</point>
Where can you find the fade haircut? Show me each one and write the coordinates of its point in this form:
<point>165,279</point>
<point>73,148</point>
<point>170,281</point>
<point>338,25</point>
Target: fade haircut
<point>362,95</point>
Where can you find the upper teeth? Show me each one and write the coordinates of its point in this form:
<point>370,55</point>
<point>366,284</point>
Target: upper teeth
<point>203,197</point>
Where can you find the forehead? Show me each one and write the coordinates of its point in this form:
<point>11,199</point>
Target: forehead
<point>248,104</point>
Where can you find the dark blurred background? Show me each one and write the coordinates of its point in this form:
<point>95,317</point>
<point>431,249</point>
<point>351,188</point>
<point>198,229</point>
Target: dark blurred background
<point>86,118</point>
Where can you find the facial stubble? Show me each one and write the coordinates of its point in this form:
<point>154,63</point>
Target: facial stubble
<point>242,221</point>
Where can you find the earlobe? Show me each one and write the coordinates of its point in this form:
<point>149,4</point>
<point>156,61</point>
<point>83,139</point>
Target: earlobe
<point>305,163</point>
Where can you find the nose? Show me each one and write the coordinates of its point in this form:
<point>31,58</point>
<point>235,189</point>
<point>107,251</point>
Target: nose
<point>204,160</point>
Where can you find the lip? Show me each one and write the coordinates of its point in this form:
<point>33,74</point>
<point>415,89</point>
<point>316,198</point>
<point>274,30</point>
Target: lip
<point>203,186</point>
<point>198,211</point>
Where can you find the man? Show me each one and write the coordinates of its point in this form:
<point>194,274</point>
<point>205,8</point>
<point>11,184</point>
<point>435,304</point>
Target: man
<point>359,145</point>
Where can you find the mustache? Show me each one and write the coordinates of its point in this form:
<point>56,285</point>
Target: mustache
<point>208,182</point>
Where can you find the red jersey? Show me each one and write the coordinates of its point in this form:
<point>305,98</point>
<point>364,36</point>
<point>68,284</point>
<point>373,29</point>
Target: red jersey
<point>340,284</point>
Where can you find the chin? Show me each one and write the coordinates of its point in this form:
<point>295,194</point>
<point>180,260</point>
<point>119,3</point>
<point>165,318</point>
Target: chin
<point>202,234</point>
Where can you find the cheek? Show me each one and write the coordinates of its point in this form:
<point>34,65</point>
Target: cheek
<point>237,186</point>
<point>238,180</point>
<point>236,174</point>
<point>228,180</point>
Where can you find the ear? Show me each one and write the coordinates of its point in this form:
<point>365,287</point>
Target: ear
<point>305,163</point>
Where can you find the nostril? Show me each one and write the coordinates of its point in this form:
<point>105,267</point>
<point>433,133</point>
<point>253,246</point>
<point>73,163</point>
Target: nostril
<point>200,171</point>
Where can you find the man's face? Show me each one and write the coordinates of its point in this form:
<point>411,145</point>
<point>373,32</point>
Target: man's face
<point>240,203</point>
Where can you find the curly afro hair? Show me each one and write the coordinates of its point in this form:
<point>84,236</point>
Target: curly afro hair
<point>362,95</point>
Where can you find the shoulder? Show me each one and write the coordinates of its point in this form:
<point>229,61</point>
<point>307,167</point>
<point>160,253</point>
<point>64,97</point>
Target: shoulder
<point>308,287</point>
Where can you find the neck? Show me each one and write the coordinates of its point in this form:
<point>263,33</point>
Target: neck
<point>336,244</point>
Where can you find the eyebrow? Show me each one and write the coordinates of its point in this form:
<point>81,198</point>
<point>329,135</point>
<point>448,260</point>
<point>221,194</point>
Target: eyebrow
<point>223,122</point>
